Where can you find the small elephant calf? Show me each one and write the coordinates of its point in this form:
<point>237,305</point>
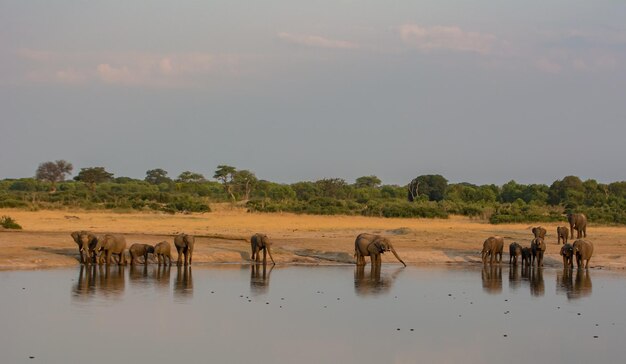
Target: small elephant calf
<point>163,250</point>
<point>526,255</point>
<point>567,252</point>
<point>140,250</point>
<point>515,250</point>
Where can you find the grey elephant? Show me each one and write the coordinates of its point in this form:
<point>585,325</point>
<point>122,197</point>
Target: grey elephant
<point>567,252</point>
<point>140,250</point>
<point>539,232</point>
<point>260,242</point>
<point>583,250</point>
<point>577,222</point>
<point>562,233</point>
<point>184,246</point>
<point>526,256</point>
<point>109,245</point>
<point>373,246</point>
<point>163,250</point>
<point>537,247</point>
<point>492,248</point>
<point>515,250</point>
<point>83,238</point>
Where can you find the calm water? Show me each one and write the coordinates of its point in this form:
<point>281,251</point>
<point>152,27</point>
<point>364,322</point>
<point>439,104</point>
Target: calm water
<point>329,314</point>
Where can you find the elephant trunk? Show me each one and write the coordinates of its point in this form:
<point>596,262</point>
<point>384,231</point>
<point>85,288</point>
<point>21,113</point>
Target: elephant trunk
<point>269,252</point>
<point>396,254</point>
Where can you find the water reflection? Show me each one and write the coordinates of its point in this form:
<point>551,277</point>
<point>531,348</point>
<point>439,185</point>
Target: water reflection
<point>573,288</point>
<point>162,276</point>
<point>374,283</point>
<point>537,284</point>
<point>515,278</point>
<point>492,279</point>
<point>183,288</point>
<point>260,278</point>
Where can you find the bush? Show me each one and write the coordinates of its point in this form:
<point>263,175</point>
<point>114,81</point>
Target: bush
<point>7,222</point>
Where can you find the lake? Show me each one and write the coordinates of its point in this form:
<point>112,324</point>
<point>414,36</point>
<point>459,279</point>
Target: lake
<point>312,314</point>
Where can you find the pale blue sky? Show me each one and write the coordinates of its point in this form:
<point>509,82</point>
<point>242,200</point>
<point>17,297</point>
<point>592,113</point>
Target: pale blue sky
<point>477,91</point>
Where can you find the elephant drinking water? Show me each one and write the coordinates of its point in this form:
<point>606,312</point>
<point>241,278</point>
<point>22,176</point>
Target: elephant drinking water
<point>373,246</point>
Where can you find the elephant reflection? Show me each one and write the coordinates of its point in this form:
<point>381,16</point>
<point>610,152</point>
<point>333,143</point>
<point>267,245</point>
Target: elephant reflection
<point>537,285</point>
<point>260,278</point>
<point>492,279</point>
<point>375,283</point>
<point>111,280</point>
<point>162,275</point>
<point>564,282</point>
<point>515,280</point>
<point>138,274</point>
<point>184,281</point>
<point>574,287</point>
<point>86,282</point>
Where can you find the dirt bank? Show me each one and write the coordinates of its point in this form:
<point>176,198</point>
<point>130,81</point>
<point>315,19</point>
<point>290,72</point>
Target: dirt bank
<point>45,240</point>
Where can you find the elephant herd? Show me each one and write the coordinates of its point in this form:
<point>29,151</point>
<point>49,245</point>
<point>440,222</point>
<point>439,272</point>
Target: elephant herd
<point>100,249</point>
<point>581,249</point>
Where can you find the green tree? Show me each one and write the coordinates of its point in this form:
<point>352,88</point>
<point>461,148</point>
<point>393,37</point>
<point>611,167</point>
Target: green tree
<point>432,185</point>
<point>92,176</point>
<point>367,182</point>
<point>157,176</point>
<point>225,175</point>
<point>190,177</point>
<point>244,182</point>
<point>53,172</point>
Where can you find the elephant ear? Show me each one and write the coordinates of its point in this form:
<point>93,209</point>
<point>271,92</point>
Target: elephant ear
<point>75,236</point>
<point>380,246</point>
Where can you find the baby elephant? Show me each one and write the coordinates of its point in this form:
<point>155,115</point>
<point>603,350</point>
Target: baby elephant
<point>526,255</point>
<point>562,233</point>
<point>567,252</point>
<point>537,248</point>
<point>140,250</point>
<point>163,250</point>
<point>583,250</point>
<point>515,250</point>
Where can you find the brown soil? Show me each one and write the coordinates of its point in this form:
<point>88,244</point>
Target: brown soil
<point>221,237</point>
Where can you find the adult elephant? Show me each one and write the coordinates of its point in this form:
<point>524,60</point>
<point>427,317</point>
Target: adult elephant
<point>184,246</point>
<point>109,245</point>
<point>83,238</point>
<point>492,247</point>
<point>562,233</point>
<point>140,250</point>
<point>583,250</point>
<point>539,232</point>
<point>577,222</point>
<point>567,252</point>
<point>373,246</point>
<point>260,242</point>
<point>537,247</point>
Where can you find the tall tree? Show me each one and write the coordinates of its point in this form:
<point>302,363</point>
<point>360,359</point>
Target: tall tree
<point>53,172</point>
<point>225,175</point>
<point>190,177</point>
<point>244,182</point>
<point>432,185</point>
<point>92,176</point>
<point>157,176</point>
<point>367,182</point>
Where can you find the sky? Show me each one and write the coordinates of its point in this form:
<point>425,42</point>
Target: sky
<point>477,91</point>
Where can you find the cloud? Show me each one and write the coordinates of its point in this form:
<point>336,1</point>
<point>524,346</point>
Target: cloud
<point>451,38</point>
<point>547,65</point>
<point>316,41</point>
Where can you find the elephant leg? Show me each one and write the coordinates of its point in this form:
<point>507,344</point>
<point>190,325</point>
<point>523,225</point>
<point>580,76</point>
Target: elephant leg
<point>190,255</point>
<point>145,259</point>
<point>180,255</point>
<point>132,259</point>
<point>108,257</point>
<point>82,260</point>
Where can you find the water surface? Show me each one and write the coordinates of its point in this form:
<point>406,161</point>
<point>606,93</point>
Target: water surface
<point>235,314</point>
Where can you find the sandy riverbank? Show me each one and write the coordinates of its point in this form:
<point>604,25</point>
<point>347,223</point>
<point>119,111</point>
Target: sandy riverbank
<point>304,239</point>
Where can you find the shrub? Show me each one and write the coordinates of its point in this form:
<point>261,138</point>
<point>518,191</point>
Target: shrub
<point>7,222</point>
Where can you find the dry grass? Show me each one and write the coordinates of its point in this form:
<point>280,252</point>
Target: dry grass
<point>45,240</point>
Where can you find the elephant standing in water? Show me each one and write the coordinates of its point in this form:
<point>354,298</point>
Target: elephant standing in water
<point>492,247</point>
<point>373,246</point>
<point>163,250</point>
<point>83,239</point>
<point>562,233</point>
<point>109,245</point>
<point>537,247</point>
<point>526,256</point>
<point>184,246</point>
<point>583,250</point>
<point>515,250</point>
<point>567,252</point>
<point>577,222</point>
<point>140,250</point>
<point>260,242</point>
<point>539,232</point>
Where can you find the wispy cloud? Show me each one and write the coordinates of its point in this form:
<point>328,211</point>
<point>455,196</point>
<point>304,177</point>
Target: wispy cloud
<point>125,68</point>
<point>450,38</point>
<point>316,41</point>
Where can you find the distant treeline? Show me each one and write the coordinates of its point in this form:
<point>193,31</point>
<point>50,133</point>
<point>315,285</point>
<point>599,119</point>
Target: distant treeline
<point>427,196</point>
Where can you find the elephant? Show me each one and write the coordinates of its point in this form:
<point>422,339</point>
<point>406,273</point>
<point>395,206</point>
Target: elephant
<point>184,246</point>
<point>577,222</point>
<point>539,232</point>
<point>567,252</point>
<point>515,250</point>
<point>162,250</point>
<point>260,242</point>
<point>108,245</point>
<point>537,247</point>
<point>526,256</point>
<point>373,246</point>
<point>492,247</point>
<point>140,250</point>
<point>83,238</point>
<point>583,250</point>
<point>562,233</point>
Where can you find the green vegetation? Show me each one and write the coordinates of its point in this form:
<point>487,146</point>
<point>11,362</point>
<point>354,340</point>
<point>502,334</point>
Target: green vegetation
<point>427,196</point>
<point>7,222</point>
